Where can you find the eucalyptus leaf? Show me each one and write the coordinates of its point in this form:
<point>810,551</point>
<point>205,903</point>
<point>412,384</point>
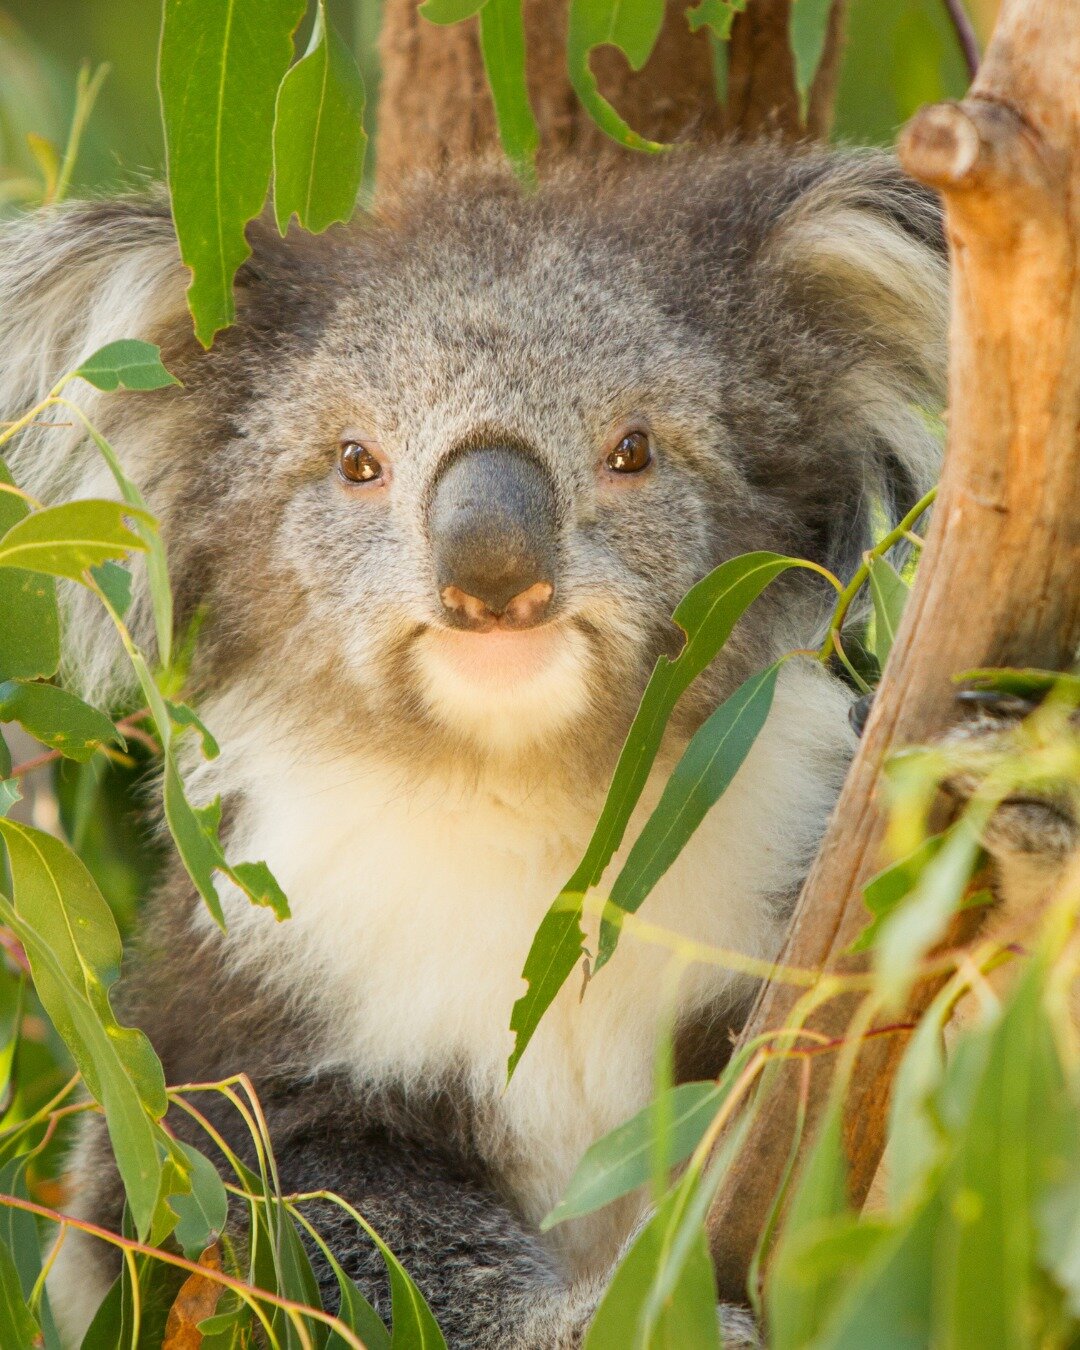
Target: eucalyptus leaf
<point>319,138</point>
<point>103,1051</point>
<point>808,28</point>
<point>718,15</point>
<point>623,1160</point>
<point>157,570</point>
<point>690,1315</point>
<point>18,1326</point>
<point>30,632</point>
<point>202,1211</point>
<point>631,25</point>
<point>706,614</point>
<point>890,593</point>
<point>58,719</point>
<point>9,794</point>
<point>126,364</point>
<point>66,540</point>
<point>221,62</point>
<point>502,43</point>
<point>715,754</point>
<point>115,581</point>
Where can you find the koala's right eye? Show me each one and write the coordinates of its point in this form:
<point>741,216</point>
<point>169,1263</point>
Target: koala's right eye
<point>359,463</point>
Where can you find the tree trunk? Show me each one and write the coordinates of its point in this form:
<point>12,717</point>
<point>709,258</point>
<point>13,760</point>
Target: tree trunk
<point>999,580</point>
<point>435,109</point>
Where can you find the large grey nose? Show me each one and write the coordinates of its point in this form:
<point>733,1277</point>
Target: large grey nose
<point>492,523</point>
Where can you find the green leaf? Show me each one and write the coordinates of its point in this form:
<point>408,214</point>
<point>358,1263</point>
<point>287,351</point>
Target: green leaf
<point>202,1211</point>
<point>221,63</point>
<point>58,719</point>
<point>909,932</point>
<point>710,762</point>
<point>623,1160</point>
<point>718,15</point>
<point>127,364</point>
<point>890,594</point>
<point>65,540</point>
<point>689,1317</point>
<point>450,11</point>
<point>157,570</point>
<point>195,832</point>
<point>888,1300</point>
<point>1019,1137</point>
<point>18,1326</point>
<point>183,716</point>
<point>115,582</point>
<point>502,42</point>
<point>631,25</point>
<point>117,1063</point>
<point>799,1293</point>
<point>9,794</point>
<point>19,1231</point>
<point>707,614</point>
<point>809,25</point>
<point>30,632</point>
<point>319,137</point>
<point>1023,682</point>
<point>884,893</point>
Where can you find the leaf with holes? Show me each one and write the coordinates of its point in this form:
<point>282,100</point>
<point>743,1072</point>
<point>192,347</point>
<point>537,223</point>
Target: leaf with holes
<point>57,718</point>
<point>127,364</point>
<point>64,541</point>
<point>718,15</point>
<point>631,25</point>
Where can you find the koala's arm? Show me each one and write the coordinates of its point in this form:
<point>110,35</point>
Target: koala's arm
<point>488,1278</point>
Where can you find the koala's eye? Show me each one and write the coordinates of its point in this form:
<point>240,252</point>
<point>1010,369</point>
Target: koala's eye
<point>358,464</point>
<point>632,454</point>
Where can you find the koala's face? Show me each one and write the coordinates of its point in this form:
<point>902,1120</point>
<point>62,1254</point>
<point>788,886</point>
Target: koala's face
<point>485,489</point>
<point>446,480</point>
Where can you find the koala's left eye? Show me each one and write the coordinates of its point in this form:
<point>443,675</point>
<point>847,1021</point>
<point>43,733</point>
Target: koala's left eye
<point>358,464</point>
<point>632,454</point>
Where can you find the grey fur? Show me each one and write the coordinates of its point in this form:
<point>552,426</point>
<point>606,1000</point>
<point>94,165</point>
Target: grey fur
<point>775,319</point>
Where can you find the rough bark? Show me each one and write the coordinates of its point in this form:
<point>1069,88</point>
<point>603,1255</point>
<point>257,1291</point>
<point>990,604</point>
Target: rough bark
<point>435,109</point>
<point>999,581</point>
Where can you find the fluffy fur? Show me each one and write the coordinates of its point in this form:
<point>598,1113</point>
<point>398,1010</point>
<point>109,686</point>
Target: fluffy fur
<point>777,322</point>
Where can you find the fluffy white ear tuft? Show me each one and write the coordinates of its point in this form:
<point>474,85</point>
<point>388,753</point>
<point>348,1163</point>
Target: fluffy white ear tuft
<point>71,280</point>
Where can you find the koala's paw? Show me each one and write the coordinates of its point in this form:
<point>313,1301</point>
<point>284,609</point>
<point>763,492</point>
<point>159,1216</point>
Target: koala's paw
<point>1037,824</point>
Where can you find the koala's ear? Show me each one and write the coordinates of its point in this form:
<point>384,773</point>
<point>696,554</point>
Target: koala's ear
<point>72,279</point>
<point>861,258</point>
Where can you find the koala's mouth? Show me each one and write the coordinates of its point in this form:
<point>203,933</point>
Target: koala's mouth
<point>496,660</point>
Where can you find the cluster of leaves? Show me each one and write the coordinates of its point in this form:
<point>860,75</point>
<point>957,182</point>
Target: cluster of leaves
<point>64,948</point>
<point>236,113</point>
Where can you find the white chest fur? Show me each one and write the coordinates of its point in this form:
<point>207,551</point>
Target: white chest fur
<point>414,905</point>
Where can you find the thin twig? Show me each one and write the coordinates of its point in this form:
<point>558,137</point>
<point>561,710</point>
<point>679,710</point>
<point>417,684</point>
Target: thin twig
<point>965,34</point>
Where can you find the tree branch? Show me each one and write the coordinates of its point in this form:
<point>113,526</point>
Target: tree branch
<point>1006,533</point>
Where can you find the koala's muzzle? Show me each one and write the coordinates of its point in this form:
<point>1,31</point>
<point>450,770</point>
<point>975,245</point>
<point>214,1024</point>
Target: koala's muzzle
<point>492,524</point>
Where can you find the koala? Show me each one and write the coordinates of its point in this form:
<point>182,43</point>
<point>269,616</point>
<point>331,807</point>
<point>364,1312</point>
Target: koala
<point>437,493</point>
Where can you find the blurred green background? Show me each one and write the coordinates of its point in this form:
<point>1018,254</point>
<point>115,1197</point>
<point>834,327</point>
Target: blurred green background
<point>900,53</point>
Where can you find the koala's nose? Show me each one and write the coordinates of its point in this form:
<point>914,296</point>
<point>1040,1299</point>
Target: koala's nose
<point>492,524</point>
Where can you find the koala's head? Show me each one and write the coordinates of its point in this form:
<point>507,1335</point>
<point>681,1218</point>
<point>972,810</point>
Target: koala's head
<point>442,485</point>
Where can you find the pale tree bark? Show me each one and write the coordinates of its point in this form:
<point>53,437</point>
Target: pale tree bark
<point>999,579</point>
<point>435,109</point>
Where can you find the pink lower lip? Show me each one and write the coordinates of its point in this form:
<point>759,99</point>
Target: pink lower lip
<point>498,657</point>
